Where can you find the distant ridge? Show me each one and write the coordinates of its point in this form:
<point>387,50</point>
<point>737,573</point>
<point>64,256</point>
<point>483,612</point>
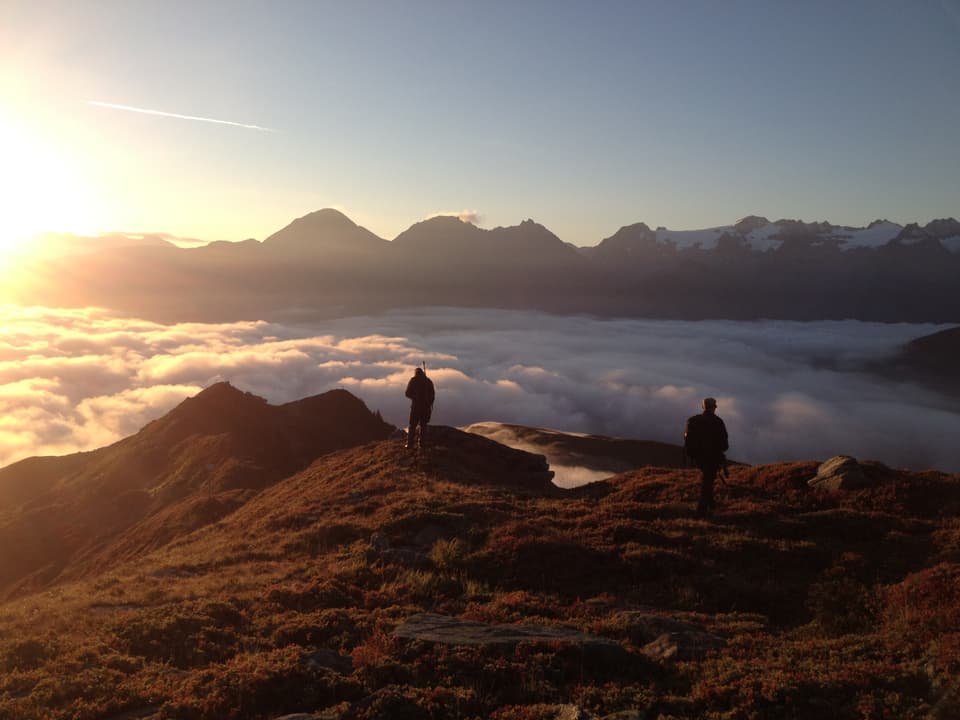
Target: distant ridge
<point>326,265</point>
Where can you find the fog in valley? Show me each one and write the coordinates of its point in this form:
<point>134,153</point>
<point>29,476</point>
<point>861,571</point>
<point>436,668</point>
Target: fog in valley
<point>80,379</point>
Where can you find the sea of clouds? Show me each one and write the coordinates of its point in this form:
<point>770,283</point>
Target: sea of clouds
<point>80,379</point>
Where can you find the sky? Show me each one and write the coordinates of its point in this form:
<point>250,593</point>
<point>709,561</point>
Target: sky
<point>583,116</point>
<point>84,378</point>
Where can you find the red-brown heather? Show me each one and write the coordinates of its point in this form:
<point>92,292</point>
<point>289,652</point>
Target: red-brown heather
<point>238,560</point>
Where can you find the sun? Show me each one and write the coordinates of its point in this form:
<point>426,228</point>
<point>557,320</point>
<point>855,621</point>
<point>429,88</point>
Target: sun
<point>39,191</point>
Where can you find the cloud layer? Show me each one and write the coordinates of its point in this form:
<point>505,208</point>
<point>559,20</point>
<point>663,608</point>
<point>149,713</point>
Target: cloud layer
<point>80,379</point>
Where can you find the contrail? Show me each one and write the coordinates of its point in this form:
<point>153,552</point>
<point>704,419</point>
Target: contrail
<point>145,111</point>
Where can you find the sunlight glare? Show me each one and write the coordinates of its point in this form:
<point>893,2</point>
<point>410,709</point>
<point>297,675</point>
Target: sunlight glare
<point>38,190</point>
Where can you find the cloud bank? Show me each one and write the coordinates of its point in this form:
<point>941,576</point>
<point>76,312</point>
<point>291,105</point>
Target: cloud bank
<point>80,379</point>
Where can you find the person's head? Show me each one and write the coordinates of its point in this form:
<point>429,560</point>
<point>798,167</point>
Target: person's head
<point>709,405</point>
<point>419,371</point>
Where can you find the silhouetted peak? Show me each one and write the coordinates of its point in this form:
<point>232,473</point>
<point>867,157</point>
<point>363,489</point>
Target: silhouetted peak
<point>628,239</point>
<point>443,222</point>
<point>943,228</point>
<point>750,223</point>
<point>433,232</point>
<point>911,232</point>
<point>636,230</point>
<point>326,229</point>
<point>327,217</point>
<point>223,396</point>
<point>878,222</point>
<point>337,401</point>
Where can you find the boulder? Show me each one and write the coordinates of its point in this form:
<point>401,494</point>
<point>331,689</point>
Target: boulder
<point>683,646</point>
<point>840,473</point>
<point>625,715</point>
<point>643,627</point>
<point>329,659</point>
<point>572,712</point>
<point>448,630</point>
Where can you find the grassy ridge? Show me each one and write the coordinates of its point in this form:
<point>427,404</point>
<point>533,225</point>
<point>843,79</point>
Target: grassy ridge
<point>830,605</point>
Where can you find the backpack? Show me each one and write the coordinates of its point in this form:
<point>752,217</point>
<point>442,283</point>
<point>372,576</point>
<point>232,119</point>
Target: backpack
<point>693,437</point>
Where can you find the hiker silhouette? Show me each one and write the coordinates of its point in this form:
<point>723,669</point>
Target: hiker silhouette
<point>421,393</point>
<point>705,441</point>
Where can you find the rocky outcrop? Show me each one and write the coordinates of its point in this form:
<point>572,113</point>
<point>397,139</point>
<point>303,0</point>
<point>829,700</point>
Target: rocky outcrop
<point>448,630</point>
<point>841,472</point>
<point>643,627</point>
<point>683,646</point>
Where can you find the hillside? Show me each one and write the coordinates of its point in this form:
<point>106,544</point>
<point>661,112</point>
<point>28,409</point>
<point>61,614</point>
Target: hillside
<point>374,584</point>
<point>71,516</point>
<point>930,360</point>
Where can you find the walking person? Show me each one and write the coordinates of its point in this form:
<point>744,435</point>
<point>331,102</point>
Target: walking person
<point>705,441</point>
<point>421,393</point>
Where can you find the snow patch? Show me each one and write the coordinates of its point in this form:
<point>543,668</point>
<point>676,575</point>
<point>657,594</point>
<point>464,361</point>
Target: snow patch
<point>762,239</point>
<point>951,243</point>
<point>871,237</point>
<point>687,239</point>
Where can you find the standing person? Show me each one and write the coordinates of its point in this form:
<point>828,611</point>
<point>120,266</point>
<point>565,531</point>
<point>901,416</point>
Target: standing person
<point>421,393</point>
<point>705,441</point>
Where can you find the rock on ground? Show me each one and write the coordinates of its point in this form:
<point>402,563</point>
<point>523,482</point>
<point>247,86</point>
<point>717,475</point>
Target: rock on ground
<point>841,472</point>
<point>683,646</point>
<point>448,630</point>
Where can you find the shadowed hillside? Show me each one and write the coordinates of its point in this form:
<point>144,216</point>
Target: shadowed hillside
<point>463,584</point>
<point>930,360</point>
<point>72,515</point>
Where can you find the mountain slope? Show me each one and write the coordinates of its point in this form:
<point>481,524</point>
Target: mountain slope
<point>201,461</point>
<point>791,596</point>
<point>930,360</point>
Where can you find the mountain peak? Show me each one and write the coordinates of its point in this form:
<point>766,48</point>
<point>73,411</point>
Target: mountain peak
<point>444,220</point>
<point>943,228</point>
<point>220,405</point>
<point>750,223</point>
<point>325,229</point>
<point>224,393</point>
<point>326,216</point>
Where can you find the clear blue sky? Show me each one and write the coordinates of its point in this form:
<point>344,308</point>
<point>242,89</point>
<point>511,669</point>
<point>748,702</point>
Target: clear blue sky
<point>584,116</point>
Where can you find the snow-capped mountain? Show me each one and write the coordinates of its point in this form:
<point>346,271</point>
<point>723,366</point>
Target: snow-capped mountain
<point>758,234</point>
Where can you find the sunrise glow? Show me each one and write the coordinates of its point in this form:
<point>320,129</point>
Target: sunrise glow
<point>39,191</point>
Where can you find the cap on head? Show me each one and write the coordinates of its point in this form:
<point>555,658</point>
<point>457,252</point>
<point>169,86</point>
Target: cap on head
<point>709,404</point>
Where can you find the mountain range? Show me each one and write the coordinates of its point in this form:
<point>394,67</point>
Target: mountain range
<point>324,264</point>
<point>246,561</point>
